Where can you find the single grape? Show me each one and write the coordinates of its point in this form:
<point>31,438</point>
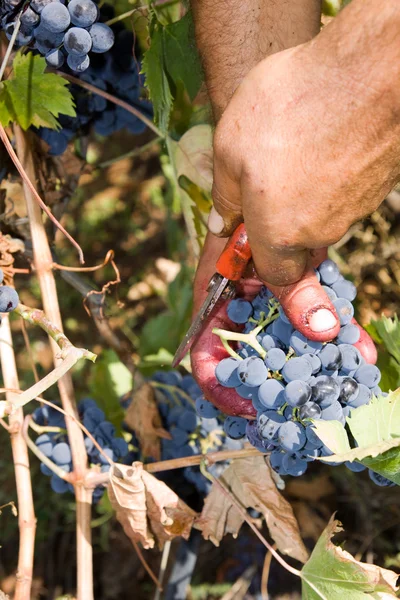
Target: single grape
<point>55,17</point>
<point>356,467</point>
<point>226,372</point>
<point>345,289</point>
<point>187,421</point>
<point>252,371</point>
<point>102,37</point>
<point>348,334</point>
<point>330,357</point>
<point>314,362</point>
<point>271,341</point>
<point>205,409</point>
<point>83,12</point>
<point>77,41</point>
<point>351,358</point>
<point>368,375</point>
<point>235,427</point>
<point>293,465</point>
<point>45,444</point>
<point>29,18</point>
<point>325,390</point>
<point>58,485</point>
<point>79,64</point>
<point>39,5</point>
<point>246,392</point>
<point>380,479</point>
<point>239,310</point>
<point>363,397</point>
<point>344,309</point>
<point>270,394</point>
<point>282,331</point>
<point>328,271</point>
<point>276,460</point>
<point>301,345</point>
<point>312,437</point>
<point>348,389</point>
<point>45,470</point>
<point>275,359</point>
<point>8,299</point>
<point>268,424</point>
<point>283,316</point>
<point>292,436</point>
<point>61,454</point>
<point>297,368</point>
<point>179,437</point>
<point>297,393</point>
<point>310,410</point>
<point>330,293</point>
<point>333,412</point>
<point>55,58</point>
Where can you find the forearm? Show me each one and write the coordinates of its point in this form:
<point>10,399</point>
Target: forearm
<point>234,35</point>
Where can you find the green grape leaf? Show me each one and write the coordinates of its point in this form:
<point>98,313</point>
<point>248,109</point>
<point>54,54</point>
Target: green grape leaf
<point>375,428</point>
<point>172,59</point>
<point>331,573</point>
<point>109,380</point>
<point>388,331</point>
<point>156,78</point>
<point>33,97</point>
<point>181,57</point>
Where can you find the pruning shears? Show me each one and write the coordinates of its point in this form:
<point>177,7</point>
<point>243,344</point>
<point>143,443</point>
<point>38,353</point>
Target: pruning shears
<point>230,268</point>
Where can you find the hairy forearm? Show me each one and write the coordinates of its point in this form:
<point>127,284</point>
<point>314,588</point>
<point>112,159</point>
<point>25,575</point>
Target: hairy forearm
<point>234,35</point>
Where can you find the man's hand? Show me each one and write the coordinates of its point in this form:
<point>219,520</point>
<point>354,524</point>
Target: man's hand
<point>298,300</point>
<point>310,141</point>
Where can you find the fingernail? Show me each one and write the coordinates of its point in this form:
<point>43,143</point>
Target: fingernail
<point>322,320</point>
<point>215,222</point>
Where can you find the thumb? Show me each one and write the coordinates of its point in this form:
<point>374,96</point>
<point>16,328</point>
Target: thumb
<point>226,214</point>
<point>308,307</point>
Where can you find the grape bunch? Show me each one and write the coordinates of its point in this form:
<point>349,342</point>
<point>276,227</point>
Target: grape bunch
<point>291,380</point>
<point>117,73</point>
<point>55,445</point>
<point>59,30</point>
<point>8,297</point>
<point>195,425</point>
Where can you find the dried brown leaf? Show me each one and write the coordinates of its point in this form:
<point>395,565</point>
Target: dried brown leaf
<point>251,483</point>
<point>147,509</point>
<point>143,417</point>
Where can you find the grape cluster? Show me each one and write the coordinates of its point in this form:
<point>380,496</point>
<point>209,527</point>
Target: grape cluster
<point>291,380</point>
<point>8,297</point>
<point>195,425</point>
<point>117,73</point>
<point>55,445</point>
<point>59,30</point>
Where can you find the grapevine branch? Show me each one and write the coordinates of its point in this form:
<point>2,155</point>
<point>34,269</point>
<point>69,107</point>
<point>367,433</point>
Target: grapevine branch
<point>70,355</point>
<point>28,182</point>
<point>26,512</point>
<point>43,265</point>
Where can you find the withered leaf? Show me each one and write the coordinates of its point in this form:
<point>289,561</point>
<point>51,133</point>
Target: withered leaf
<point>250,482</point>
<point>143,417</point>
<point>147,509</point>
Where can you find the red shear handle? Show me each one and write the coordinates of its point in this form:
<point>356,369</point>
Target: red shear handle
<point>236,255</point>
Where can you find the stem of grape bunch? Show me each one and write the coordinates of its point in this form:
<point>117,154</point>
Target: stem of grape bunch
<point>43,261</point>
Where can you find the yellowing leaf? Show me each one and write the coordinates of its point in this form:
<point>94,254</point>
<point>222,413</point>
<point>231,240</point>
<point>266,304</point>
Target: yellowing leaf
<point>251,483</point>
<point>376,429</point>
<point>147,509</point>
<point>331,573</point>
<point>33,97</point>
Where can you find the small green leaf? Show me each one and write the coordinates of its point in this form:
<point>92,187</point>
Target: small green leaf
<point>376,431</point>
<point>110,379</point>
<point>181,57</point>
<point>156,78</point>
<point>331,573</point>
<point>33,97</point>
<point>389,332</point>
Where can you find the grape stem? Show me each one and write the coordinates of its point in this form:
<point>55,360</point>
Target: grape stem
<point>247,338</point>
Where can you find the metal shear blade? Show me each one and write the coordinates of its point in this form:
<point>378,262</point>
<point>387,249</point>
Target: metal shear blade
<point>216,288</point>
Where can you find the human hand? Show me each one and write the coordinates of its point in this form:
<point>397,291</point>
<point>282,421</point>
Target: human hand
<point>300,301</point>
<point>304,149</point>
